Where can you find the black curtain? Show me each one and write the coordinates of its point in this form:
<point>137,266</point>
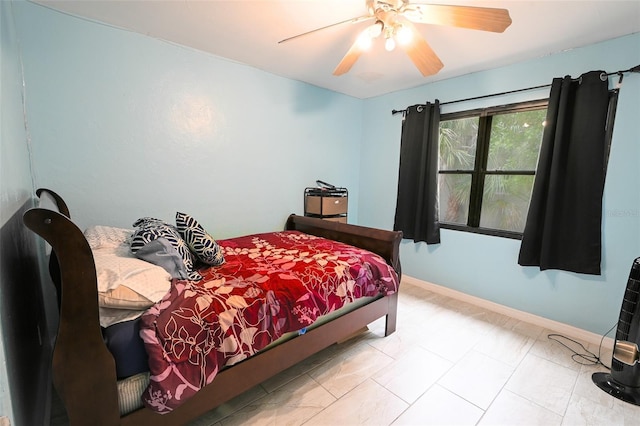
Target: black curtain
<point>417,203</point>
<point>563,228</point>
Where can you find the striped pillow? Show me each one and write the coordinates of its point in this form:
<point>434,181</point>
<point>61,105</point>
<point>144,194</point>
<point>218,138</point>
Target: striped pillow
<point>203,245</point>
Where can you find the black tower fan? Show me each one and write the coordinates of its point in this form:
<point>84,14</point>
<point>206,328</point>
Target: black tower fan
<point>623,381</point>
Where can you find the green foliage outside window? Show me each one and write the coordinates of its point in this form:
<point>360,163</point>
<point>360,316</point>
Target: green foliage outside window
<point>487,165</point>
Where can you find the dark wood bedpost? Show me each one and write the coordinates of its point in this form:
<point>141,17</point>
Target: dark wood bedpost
<point>80,358</point>
<point>392,315</point>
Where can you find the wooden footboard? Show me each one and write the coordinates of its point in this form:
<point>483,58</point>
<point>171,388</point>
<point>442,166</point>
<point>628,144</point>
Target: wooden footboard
<point>382,242</point>
<point>84,370</point>
<point>235,380</point>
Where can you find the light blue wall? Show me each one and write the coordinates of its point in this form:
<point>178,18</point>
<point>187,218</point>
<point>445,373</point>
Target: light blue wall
<point>15,179</point>
<point>126,126</point>
<point>486,266</point>
<point>15,187</point>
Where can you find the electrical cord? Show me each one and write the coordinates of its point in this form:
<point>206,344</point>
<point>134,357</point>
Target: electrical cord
<point>587,357</point>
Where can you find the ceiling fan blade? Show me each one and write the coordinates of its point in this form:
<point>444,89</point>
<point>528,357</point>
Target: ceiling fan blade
<point>475,18</point>
<point>420,53</point>
<point>352,21</point>
<point>350,58</point>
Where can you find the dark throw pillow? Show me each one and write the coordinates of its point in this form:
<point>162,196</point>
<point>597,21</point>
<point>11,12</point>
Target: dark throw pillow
<point>203,245</point>
<point>149,229</point>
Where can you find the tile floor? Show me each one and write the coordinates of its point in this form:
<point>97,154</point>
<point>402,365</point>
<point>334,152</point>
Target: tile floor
<point>448,363</point>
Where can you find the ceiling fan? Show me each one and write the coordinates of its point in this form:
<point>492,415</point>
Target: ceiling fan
<point>393,20</point>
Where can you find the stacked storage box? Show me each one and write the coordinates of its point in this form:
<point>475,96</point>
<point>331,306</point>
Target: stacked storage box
<point>326,203</point>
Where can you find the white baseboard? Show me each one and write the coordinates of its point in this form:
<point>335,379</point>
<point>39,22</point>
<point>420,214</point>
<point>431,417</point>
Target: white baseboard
<point>558,327</point>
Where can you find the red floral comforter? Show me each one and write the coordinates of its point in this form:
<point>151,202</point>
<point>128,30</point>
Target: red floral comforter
<point>270,284</point>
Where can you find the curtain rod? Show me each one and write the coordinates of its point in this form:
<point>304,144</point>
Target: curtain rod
<point>604,75</point>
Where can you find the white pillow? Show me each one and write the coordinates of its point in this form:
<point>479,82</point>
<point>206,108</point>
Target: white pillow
<point>122,297</point>
<point>100,236</point>
<point>117,267</point>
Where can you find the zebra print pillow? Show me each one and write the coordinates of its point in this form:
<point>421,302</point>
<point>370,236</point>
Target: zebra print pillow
<point>150,229</point>
<point>203,245</point>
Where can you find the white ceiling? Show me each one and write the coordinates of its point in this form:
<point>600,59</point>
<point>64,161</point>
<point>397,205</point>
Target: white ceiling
<point>248,31</point>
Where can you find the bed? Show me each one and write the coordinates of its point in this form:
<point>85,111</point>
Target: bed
<point>84,369</point>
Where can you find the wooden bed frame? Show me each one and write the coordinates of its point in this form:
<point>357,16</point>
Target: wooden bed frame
<point>84,372</point>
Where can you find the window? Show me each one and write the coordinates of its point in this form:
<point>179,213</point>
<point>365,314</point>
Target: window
<point>487,164</point>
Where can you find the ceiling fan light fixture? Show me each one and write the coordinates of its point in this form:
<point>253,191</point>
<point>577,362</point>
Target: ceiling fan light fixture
<point>394,20</point>
<point>389,44</point>
<point>365,41</point>
<point>403,35</point>
<point>375,30</point>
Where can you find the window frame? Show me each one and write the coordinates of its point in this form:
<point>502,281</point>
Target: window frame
<point>479,172</point>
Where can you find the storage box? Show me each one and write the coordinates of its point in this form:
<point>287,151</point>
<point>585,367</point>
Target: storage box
<point>326,202</point>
